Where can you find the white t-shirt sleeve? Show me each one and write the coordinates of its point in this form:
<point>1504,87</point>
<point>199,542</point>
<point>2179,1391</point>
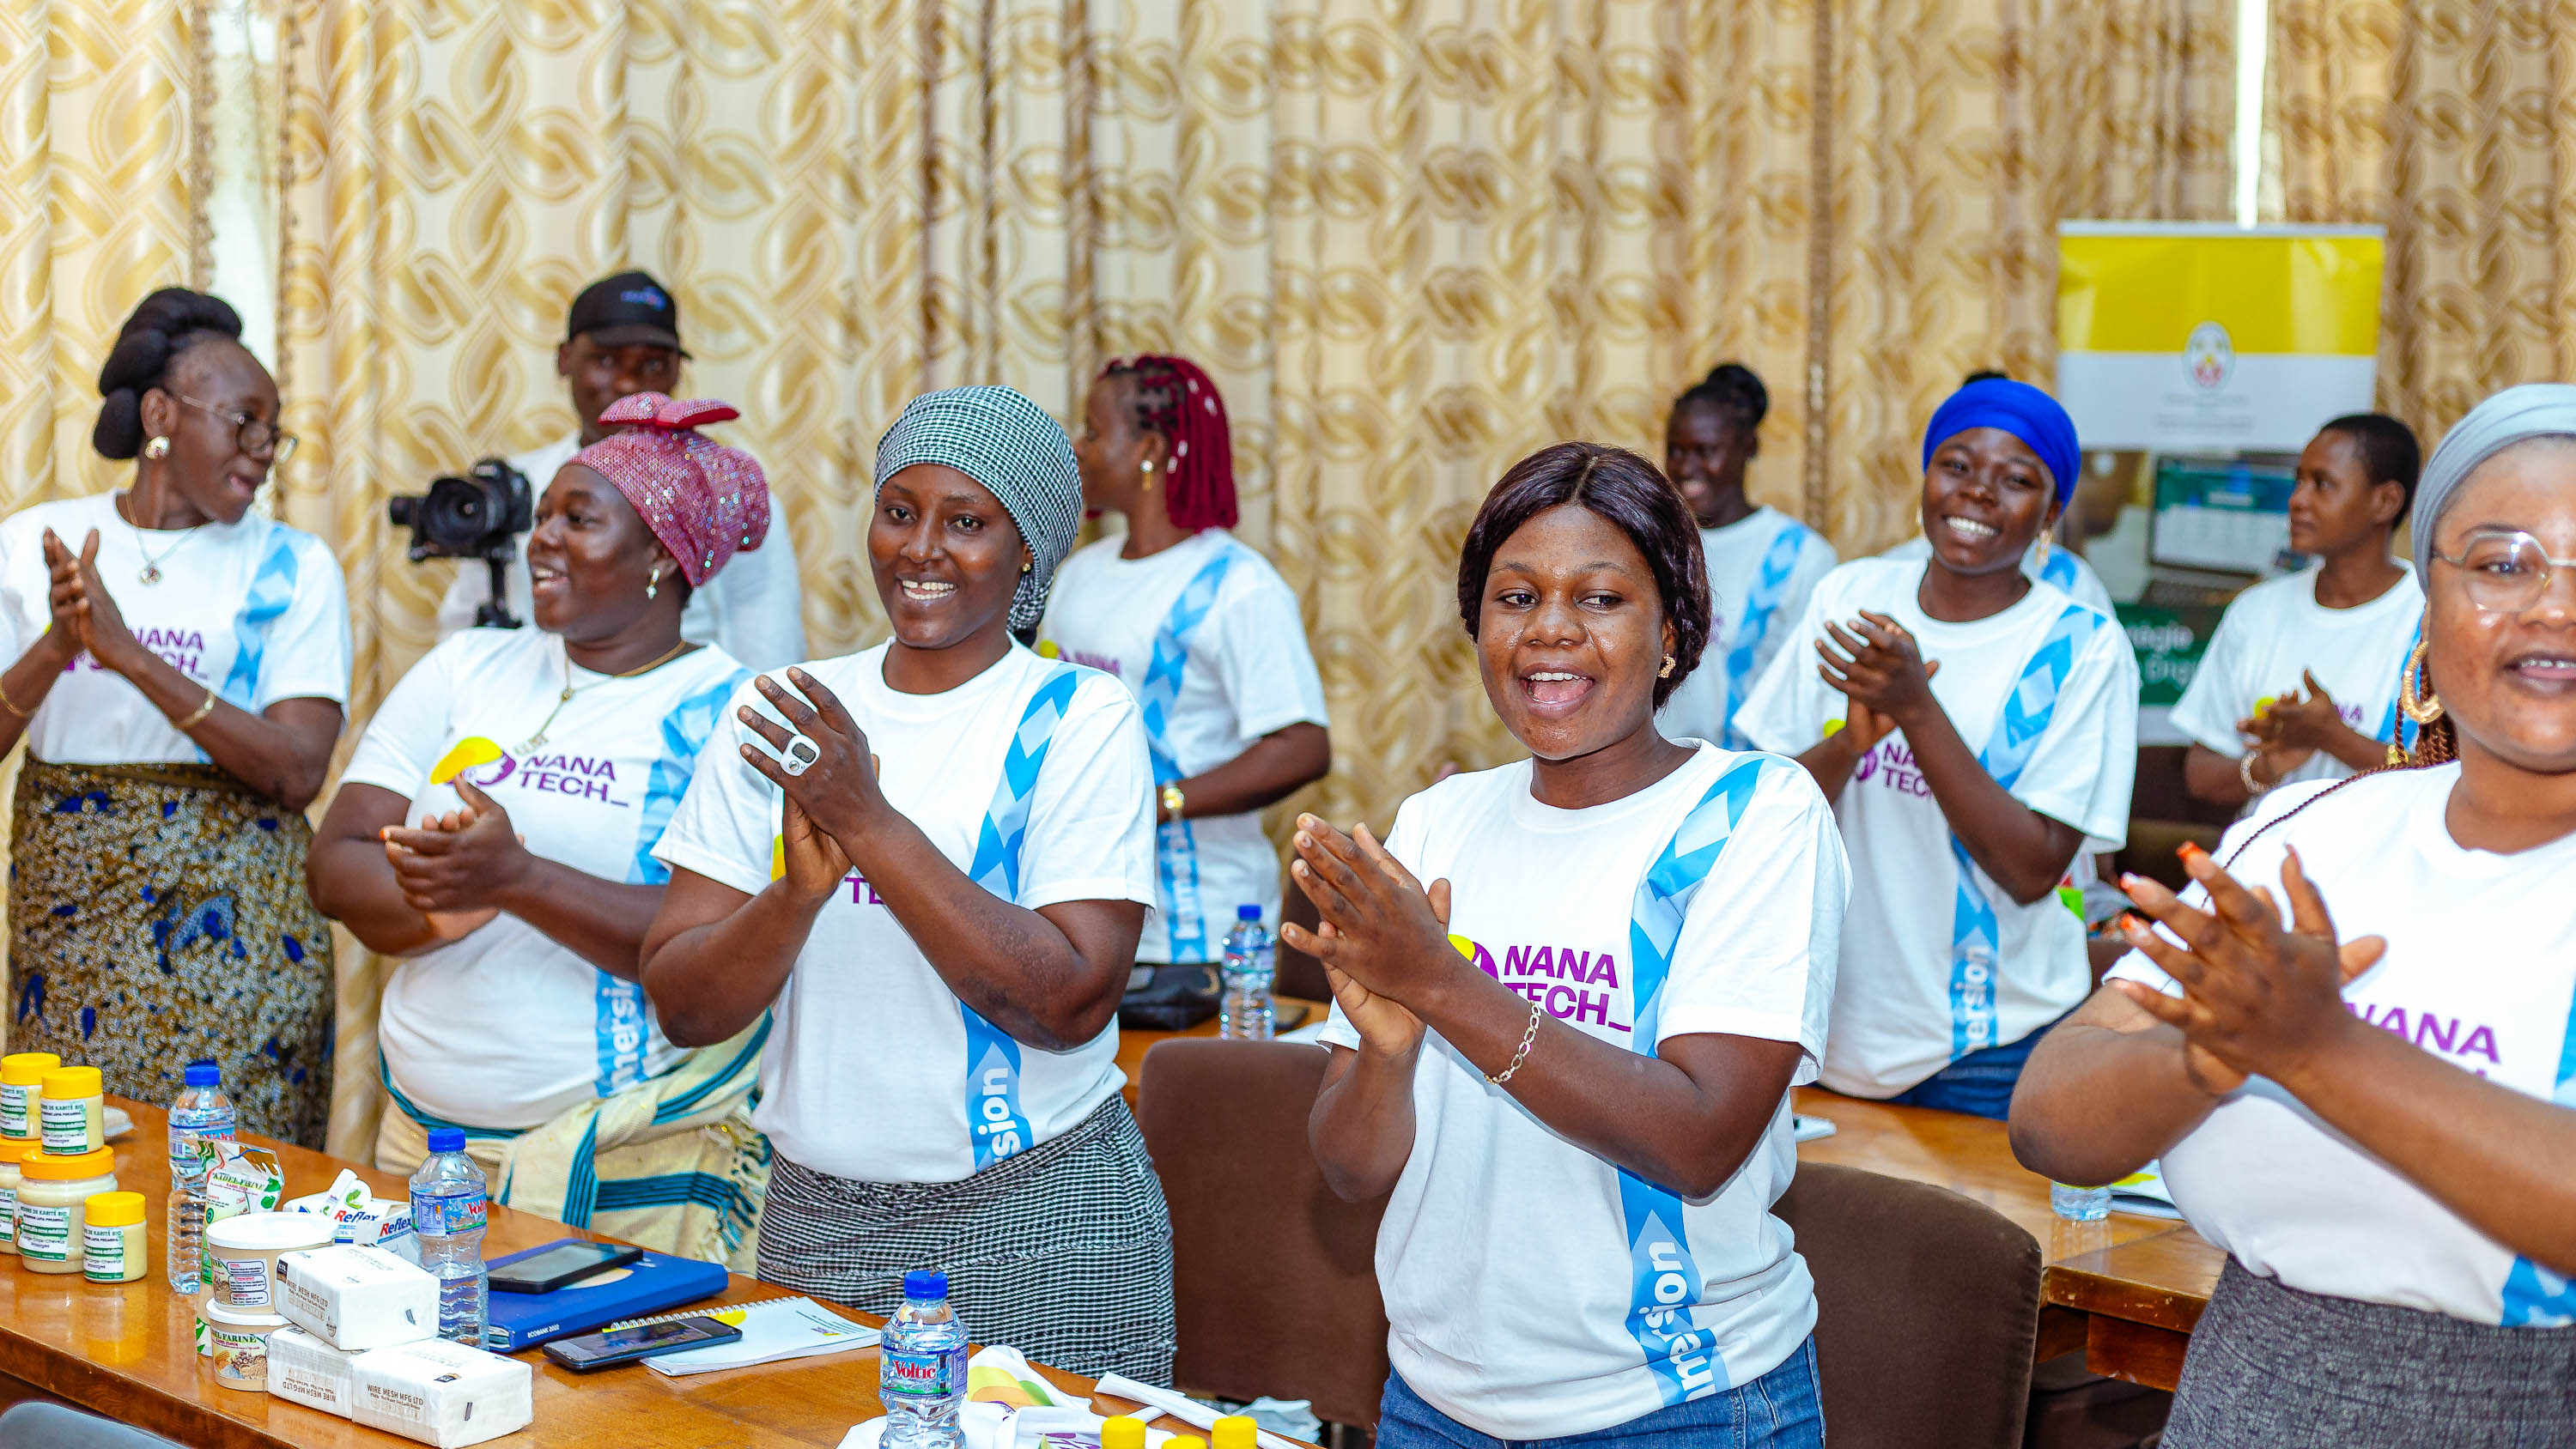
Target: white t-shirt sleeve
<point>2217,698</point>
<point>26,585</point>
<point>1790,704</point>
<point>1757,950</point>
<point>2086,762</point>
<point>402,740</point>
<point>727,824</point>
<point>307,652</point>
<point>1091,829</point>
<point>1263,663</point>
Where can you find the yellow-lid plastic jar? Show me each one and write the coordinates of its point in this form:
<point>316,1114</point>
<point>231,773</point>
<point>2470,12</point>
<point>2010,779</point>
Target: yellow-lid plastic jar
<point>10,1152</point>
<point>73,1111</point>
<point>112,1248</point>
<point>53,1193</point>
<point>22,1076</point>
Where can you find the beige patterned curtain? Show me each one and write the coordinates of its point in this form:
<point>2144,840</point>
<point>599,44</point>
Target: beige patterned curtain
<point>2452,124</point>
<point>1963,131</point>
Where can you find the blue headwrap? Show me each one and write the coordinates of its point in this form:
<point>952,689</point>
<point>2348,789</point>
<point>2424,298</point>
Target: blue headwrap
<point>999,438</point>
<point>2019,409</point>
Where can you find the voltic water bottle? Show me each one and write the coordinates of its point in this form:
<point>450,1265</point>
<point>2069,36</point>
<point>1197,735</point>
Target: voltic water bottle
<point>921,1369</point>
<point>2079,1204</point>
<point>1245,1010</point>
<point>202,1114</point>
<point>447,1212</point>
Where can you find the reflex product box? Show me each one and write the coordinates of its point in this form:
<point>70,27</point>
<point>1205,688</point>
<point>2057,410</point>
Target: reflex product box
<point>442,1393</point>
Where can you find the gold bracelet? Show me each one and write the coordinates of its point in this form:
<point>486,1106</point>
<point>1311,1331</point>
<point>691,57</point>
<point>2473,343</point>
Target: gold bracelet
<point>194,715</point>
<point>1518,1057</point>
<point>11,705</point>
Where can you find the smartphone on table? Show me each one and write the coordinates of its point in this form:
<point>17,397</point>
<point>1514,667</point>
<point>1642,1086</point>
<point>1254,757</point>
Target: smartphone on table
<point>591,1351</point>
<point>562,1265</point>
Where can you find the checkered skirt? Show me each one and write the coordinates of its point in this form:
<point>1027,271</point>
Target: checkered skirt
<point>1063,1252</point>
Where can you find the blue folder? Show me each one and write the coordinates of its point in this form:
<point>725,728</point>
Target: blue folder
<point>651,1284</point>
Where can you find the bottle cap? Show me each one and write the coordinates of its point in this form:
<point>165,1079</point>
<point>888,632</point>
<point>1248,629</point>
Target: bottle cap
<point>114,1209</point>
<point>925,1283</point>
<point>1236,1431</point>
<point>205,1074</point>
<point>1185,1441</point>
<point>63,1084</point>
<point>68,1166</point>
<point>1122,1432</point>
<point>1247,913</point>
<point>26,1069</point>
<point>446,1139</point>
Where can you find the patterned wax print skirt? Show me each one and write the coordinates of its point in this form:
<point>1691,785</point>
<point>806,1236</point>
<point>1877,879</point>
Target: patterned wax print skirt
<point>158,916</point>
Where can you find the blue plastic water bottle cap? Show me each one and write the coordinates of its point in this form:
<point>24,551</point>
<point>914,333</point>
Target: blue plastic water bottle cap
<point>1247,913</point>
<point>925,1283</point>
<point>205,1074</point>
<point>446,1139</point>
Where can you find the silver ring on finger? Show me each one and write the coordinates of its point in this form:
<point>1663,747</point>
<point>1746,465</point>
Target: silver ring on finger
<point>798,754</point>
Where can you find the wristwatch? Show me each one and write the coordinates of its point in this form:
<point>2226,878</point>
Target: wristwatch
<point>1172,802</point>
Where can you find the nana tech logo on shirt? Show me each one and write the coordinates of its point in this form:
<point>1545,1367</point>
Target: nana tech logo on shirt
<point>1567,982</point>
<point>487,767</point>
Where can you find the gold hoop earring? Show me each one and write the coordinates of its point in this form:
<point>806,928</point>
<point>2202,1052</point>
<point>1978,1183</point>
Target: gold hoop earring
<point>1670,663</point>
<point>2419,702</point>
<point>157,449</point>
<point>653,585</point>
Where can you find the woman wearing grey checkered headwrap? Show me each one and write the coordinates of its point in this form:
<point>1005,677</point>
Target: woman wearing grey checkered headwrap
<point>944,843</point>
<point>999,438</point>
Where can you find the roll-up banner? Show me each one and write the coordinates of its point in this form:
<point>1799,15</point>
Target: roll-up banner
<point>2210,338</point>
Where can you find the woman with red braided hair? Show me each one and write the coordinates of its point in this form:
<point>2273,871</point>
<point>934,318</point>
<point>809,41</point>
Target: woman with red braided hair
<point>1208,636</point>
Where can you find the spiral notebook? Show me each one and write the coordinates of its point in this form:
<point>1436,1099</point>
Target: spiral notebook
<point>773,1330</point>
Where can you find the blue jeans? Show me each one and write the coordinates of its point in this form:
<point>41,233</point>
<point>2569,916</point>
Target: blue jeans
<point>1979,1084</point>
<point>1779,1410</point>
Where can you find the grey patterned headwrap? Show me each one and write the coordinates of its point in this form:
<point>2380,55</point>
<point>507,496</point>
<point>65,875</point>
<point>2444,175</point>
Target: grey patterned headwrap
<point>2517,414</point>
<point>999,438</point>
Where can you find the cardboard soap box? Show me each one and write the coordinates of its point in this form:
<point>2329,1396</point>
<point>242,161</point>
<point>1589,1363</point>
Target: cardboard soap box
<point>363,1222</point>
<point>443,1393</point>
<point>356,1298</point>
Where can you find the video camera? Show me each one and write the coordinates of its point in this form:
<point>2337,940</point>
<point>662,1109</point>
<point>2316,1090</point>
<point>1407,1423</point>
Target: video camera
<point>478,516</point>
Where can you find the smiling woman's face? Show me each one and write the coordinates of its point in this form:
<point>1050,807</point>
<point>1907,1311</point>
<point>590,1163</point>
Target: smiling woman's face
<point>2507,677</point>
<point>1986,495</point>
<point>945,554</point>
<point>1570,634</point>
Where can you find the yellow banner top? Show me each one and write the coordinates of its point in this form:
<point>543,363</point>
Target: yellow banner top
<point>2317,295</point>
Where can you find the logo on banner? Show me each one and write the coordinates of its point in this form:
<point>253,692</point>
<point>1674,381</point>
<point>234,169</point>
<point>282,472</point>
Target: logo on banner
<point>2210,354</point>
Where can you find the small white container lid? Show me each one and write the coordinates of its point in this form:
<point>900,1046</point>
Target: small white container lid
<point>269,1232</point>
<point>239,1317</point>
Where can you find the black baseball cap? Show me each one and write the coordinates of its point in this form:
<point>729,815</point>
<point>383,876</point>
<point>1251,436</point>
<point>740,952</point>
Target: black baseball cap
<point>625,309</point>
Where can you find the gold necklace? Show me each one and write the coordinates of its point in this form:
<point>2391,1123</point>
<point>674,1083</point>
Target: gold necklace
<point>151,571</point>
<point>537,741</point>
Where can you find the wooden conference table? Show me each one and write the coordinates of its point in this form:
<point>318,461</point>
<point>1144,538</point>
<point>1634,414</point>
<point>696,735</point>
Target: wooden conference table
<point>2126,1290</point>
<point>129,1352</point>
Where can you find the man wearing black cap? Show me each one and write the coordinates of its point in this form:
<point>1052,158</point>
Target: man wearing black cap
<point>622,338</point>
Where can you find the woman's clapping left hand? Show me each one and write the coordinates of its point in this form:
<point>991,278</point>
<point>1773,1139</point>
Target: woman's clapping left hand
<point>2259,997</point>
<point>837,798</point>
<point>458,868</point>
<point>1385,939</point>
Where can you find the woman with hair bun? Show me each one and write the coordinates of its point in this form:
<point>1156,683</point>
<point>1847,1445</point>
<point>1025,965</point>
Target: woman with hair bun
<point>181,667</point>
<point>1208,637</point>
<point>1762,564</point>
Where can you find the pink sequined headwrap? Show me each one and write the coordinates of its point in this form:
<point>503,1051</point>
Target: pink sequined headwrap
<point>703,500</point>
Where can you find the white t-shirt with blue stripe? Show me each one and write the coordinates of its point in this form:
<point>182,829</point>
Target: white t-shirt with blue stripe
<point>1761,570</point>
<point>1519,1300</point>
<point>505,1027</point>
<point>1912,999</point>
<point>253,610</point>
<point>876,1071</point>
<point>2480,971</point>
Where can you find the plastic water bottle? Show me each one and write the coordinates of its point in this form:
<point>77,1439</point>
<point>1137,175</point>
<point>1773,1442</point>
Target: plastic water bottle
<point>921,1369</point>
<point>447,1211</point>
<point>2079,1204</point>
<point>1249,966</point>
<point>202,1114</point>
